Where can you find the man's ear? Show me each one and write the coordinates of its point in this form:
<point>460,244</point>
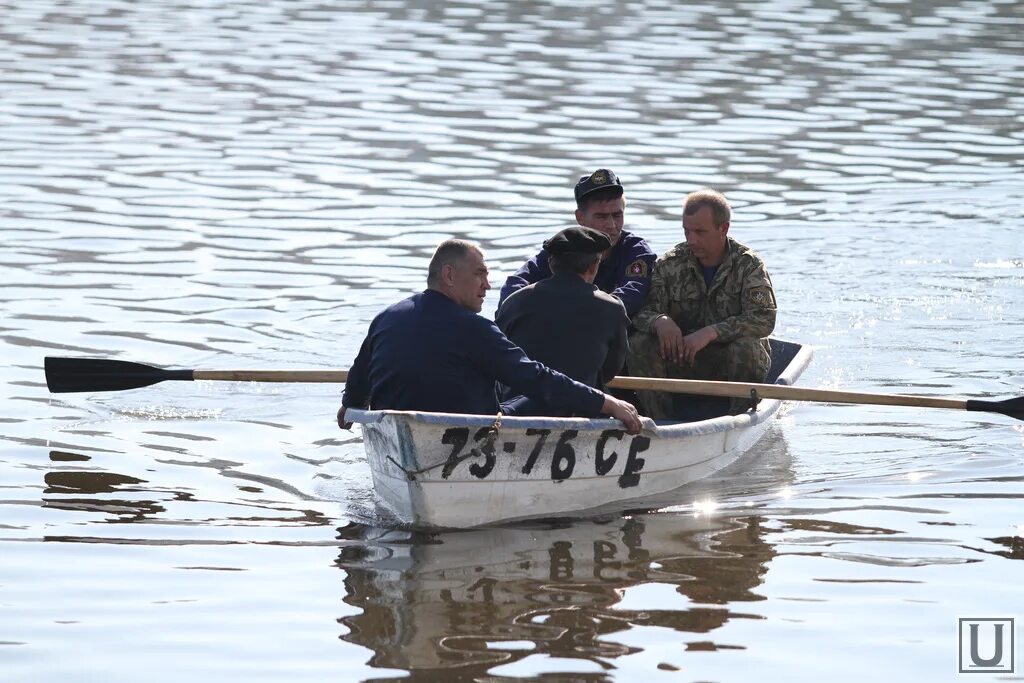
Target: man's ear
<point>579,217</point>
<point>725,228</point>
<point>448,274</point>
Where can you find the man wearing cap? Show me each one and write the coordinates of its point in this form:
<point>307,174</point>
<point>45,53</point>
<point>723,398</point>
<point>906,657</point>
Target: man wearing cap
<point>564,321</point>
<point>625,268</point>
<point>432,352</point>
<point>710,310</point>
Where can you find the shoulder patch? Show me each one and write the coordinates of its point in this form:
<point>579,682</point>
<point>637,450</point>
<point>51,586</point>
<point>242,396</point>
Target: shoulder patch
<point>761,297</point>
<point>637,268</point>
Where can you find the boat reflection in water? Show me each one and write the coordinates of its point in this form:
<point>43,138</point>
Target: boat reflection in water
<point>475,599</point>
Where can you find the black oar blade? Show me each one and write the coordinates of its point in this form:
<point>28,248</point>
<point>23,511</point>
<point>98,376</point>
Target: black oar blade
<point>1012,407</point>
<point>65,375</point>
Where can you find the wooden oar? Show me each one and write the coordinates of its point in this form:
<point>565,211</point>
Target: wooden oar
<point>99,374</point>
<point>65,375</point>
<point>1013,407</point>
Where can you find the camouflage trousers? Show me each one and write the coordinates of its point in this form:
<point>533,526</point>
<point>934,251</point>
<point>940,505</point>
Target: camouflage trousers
<point>744,360</point>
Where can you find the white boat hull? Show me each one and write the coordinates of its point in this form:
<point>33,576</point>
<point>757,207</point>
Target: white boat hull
<point>446,470</point>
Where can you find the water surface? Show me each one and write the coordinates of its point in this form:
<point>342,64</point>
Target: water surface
<point>245,185</point>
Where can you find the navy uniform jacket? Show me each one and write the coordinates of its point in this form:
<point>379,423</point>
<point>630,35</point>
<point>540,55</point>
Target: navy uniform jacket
<point>569,325</point>
<point>428,353</point>
<point>626,273</point>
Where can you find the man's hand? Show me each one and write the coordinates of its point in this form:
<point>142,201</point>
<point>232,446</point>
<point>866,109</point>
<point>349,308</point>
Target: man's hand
<point>670,339</point>
<point>341,419</point>
<point>677,348</point>
<point>695,341</point>
<point>624,411</point>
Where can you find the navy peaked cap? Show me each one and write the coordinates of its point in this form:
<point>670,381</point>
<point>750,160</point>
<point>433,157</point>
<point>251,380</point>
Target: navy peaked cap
<point>601,179</point>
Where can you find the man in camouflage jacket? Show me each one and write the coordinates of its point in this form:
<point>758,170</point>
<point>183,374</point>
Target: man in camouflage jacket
<point>709,312</point>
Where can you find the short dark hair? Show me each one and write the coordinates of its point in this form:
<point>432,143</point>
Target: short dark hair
<point>449,253</point>
<point>611,192</point>
<point>716,200</point>
<point>572,262</point>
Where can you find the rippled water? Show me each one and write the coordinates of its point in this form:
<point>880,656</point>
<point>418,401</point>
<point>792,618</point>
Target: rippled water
<point>244,185</point>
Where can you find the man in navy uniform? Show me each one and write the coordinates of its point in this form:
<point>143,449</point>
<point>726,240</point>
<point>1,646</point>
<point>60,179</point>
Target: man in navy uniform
<point>564,321</point>
<point>625,270</point>
<point>432,352</point>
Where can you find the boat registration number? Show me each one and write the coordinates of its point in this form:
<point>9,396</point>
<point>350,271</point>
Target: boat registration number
<point>611,452</point>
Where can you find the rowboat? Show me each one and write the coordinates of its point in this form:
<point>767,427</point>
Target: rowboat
<point>446,470</point>
<point>455,470</point>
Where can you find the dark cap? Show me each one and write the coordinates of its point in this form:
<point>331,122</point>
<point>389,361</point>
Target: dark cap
<point>578,240</point>
<point>600,179</point>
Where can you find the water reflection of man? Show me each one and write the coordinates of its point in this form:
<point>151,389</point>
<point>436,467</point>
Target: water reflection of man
<point>625,269</point>
<point>710,310</point>
<point>565,322</point>
<point>432,352</point>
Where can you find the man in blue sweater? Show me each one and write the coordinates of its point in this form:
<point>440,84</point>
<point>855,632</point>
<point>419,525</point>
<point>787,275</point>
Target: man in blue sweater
<point>432,352</point>
<point>625,270</point>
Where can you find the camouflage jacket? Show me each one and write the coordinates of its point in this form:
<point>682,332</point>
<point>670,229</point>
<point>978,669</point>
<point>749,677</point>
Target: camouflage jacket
<point>739,303</point>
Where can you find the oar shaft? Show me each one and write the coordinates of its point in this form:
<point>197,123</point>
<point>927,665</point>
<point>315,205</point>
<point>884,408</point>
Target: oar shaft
<point>337,376</point>
<point>66,375</point>
<point>782,392</point>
